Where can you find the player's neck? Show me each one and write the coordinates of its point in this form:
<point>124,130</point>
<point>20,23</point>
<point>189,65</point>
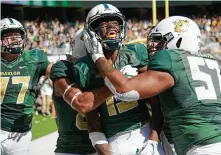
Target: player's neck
<point>111,56</point>
<point>9,57</point>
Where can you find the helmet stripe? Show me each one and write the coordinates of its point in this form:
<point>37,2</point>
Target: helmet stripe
<point>106,6</point>
<point>11,21</point>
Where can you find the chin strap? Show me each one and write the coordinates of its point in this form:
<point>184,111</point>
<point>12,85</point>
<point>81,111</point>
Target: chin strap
<point>111,44</point>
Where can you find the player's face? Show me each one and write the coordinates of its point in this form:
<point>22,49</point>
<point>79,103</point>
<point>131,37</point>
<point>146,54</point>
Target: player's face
<point>12,39</point>
<point>109,29</point>
<point>151,48</point>
<point>153,44</point>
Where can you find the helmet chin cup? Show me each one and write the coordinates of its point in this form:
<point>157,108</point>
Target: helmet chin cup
<point>13,50</point>
<point>111,45</point>
<point>16,50</point>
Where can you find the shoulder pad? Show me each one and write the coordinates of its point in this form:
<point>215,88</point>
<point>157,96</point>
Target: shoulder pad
<point>139,50</point>
<point>35,55</point>
<point>84,71</point>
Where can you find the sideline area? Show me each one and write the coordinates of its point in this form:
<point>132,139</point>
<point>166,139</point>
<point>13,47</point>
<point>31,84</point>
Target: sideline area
<point>44,145</point>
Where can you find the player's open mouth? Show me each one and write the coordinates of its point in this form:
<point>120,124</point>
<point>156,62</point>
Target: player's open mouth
<point>111,34</point>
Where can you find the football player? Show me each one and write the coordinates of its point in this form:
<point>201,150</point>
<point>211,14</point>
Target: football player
<point>188,83</point>
<point>125,124</point>
<point>20,72</point>
<point>73,136</point>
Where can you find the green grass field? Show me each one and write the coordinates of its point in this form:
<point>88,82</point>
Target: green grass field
<point>42,125</point>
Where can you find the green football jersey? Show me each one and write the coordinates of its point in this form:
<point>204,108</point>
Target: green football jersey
<point>140,51</point>
<point>192,107</point>
<point>72,127</point>
<point>116,116</point>
<point>130,54</point>
<point>18,82</point>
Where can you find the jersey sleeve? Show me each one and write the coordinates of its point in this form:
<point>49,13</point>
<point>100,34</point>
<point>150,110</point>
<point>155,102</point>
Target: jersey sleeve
<point>141,54</point>
<point>38,57</point>
<point>140,51</point>
<point>162,61</point>
<point>43,62</point>
<point>61,69</point>
<point>85,72</point>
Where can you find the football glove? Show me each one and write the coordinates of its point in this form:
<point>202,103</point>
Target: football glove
<point>129,71</point>
<point>94,47</point>
<point>149,148</point>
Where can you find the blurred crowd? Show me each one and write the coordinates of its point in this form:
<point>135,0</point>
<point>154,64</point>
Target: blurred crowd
<point>54,34</point>
<point>211,33</point>
<point>49,35</point>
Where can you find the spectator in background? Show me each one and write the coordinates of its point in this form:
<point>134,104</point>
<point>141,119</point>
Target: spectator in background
<point>46,91</point>
<point>38,104</point>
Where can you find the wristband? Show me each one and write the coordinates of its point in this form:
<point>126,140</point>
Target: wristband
<point>65,91</point>
<point>74,97</point>
<point>97,138</point>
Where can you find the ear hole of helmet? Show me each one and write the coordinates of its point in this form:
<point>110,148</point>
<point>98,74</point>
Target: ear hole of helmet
<point>178,43</point>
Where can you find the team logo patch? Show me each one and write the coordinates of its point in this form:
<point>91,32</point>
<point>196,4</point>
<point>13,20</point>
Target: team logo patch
<point>181,26</point>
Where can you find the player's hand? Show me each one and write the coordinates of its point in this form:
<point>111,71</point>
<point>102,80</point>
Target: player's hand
<point>129,71</point>
<point>149,148</point>
<point>94,47</point>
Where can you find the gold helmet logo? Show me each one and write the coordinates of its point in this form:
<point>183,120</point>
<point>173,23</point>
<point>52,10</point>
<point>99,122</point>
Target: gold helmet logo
<point>181,26</point>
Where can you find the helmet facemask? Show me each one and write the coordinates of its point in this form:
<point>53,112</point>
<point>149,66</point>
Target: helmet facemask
<point>157,41</point>
<point>13,41</point>
<point>109,30</point>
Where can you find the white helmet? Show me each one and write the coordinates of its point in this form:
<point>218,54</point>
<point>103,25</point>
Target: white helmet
<point>176,32</point>
<point>12,25</point>
<point>100,12</point>
<point>78,48</point>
